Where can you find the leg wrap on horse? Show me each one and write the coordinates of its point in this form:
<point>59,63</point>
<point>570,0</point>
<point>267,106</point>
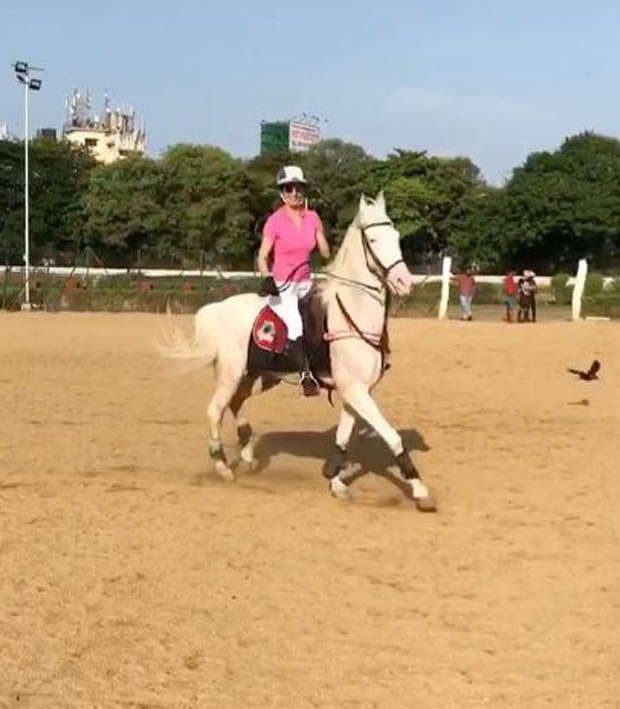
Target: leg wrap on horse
<point>335,463</point>
<point>244,434</point>
<point>216,451</point>
<point>406,466</point>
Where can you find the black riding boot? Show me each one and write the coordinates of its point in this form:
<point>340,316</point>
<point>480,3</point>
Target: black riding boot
<point>308,383</point>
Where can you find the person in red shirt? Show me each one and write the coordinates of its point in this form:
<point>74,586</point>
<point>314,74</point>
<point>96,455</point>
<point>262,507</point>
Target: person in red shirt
<point>510,294</point>
<point>467,285</point>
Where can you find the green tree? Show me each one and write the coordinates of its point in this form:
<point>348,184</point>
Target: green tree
<point>565,205</point>
<point>58,175</point>
<point>11,201</point>
<point>482,237</point>
<point>207,202</point>
<point>123,209</point>
<point>336,170</point>
<point>429,198</point>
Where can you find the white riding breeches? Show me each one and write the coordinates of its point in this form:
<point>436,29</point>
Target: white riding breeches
<point>286,305</point>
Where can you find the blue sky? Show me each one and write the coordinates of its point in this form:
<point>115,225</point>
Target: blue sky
<point>489,79</point>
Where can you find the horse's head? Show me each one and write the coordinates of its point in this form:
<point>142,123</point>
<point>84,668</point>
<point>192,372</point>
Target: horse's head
<point>382,245</point>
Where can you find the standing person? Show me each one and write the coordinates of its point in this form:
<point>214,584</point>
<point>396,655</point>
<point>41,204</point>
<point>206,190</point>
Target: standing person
<point>467,285</point>
<point>524,306</point>
<point>527,297</point>
<point>530,279</point>
<point>510,294</point>
<point>290,236</point>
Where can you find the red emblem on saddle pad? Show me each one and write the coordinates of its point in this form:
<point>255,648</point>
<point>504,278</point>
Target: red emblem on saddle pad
<point>270,331</point>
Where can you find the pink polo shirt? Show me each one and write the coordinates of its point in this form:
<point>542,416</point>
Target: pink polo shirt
<point>293,245</point>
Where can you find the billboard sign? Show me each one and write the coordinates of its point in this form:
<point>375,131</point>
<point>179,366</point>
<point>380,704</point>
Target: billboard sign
<point>274,137</point>
<point>303,135</point>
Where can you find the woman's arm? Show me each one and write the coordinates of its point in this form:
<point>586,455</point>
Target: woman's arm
<point>322,244</point>
<point>264,253</point>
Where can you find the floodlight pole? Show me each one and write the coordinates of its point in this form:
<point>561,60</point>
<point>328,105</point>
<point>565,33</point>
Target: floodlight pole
<point>26,304</point>
<point>22,71</point>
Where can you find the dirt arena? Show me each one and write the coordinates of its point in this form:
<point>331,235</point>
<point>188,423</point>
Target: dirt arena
<point>132,578</point>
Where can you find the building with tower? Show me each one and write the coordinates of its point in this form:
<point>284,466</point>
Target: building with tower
<point>111,136</point>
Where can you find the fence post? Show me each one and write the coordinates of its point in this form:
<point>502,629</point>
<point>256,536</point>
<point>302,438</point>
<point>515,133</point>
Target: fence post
<point>580,282</point>
<point>446,272</point>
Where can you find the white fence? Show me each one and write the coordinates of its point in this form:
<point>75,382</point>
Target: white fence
<point>578,281</point>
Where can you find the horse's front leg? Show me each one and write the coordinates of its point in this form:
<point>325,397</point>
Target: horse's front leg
<point>335,466</point>
<point>359,399</point>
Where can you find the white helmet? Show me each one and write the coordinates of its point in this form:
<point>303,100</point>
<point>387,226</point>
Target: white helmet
<point>289,174</point>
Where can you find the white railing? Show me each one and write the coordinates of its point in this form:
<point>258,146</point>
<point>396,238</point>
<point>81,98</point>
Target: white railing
<point>197,273</point>
<point>578,281</point>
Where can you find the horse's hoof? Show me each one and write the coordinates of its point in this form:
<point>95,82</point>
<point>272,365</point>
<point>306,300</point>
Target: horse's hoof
<point>339,489</point>
<point>426,504</point>
<point>247,467</point>
<point>225,473</point>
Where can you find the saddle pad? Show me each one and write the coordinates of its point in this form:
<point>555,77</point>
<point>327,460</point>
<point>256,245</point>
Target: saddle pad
<point>269,331</point>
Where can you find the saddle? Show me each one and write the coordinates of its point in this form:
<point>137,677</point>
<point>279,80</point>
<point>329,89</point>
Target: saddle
<point>270,350</point>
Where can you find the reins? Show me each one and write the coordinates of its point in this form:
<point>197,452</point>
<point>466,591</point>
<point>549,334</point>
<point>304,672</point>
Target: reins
<point>378,342</point>
<point>289,279</point>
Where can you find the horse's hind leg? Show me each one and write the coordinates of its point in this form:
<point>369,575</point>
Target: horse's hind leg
<point>359,398</point>
<point>224,391</point>
<point>244,429</point>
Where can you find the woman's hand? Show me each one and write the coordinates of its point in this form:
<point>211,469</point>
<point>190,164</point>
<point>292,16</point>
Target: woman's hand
<point>268,287</point>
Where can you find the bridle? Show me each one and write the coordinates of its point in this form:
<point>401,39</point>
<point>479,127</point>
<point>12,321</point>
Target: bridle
<point>382,272</point>
<point>378,342</point>
<point>373,264</point>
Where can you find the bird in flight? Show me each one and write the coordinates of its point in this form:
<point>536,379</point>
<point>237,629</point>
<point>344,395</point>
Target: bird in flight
<point>591,374</point>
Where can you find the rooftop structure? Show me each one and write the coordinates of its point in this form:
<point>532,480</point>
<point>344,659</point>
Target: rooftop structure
<point>109,137</point>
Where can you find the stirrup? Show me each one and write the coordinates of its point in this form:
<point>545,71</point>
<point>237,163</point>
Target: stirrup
<point>309,385</point>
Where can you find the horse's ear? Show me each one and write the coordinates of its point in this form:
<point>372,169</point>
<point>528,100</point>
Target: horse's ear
<point>380,200</point>
<point>363,202</point>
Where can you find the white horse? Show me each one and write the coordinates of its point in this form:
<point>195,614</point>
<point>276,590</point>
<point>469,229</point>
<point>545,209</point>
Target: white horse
<point>367,265</point>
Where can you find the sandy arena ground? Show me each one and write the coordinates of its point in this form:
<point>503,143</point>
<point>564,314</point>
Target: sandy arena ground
<point>132,578</point>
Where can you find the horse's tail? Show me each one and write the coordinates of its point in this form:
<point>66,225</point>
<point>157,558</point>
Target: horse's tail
<point>198,350</point>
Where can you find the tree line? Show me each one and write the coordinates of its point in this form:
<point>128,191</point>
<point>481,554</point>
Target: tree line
<point>198,206</point>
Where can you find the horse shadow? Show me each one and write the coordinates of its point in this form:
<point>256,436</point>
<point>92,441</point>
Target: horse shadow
<point>367,453</point>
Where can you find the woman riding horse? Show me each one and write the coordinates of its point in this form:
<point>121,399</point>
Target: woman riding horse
<point>290,236</point>
<point>368,266</point>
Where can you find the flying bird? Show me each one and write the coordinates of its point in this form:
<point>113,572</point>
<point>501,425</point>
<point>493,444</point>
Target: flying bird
<point>591,374</point>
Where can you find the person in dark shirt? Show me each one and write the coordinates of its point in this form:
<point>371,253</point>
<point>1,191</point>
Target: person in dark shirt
<point>527,297</point>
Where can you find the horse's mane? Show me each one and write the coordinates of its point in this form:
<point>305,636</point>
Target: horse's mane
<point>344,248</point>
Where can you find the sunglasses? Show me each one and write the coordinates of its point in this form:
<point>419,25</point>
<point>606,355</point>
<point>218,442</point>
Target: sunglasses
<point>293,187</point>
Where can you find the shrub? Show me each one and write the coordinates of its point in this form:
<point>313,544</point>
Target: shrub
<point>488,294</point>
<point>423,300</point>
<point>594,284</point>
<point>560,289</point>
<point>613,287</point>
<point>603,304</point>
